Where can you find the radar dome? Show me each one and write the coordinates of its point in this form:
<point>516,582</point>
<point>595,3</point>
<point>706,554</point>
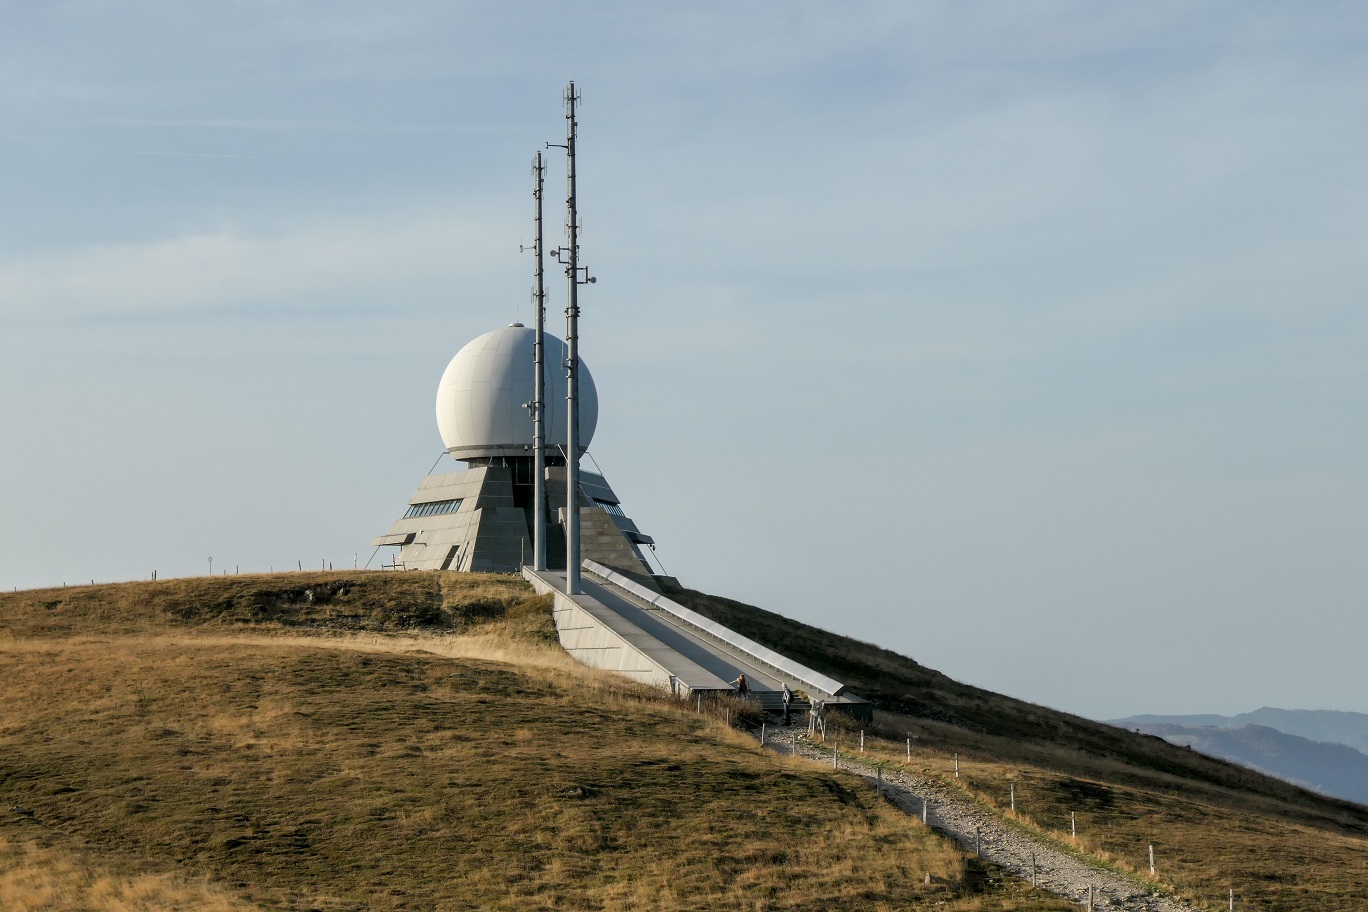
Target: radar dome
<point>482,394</point>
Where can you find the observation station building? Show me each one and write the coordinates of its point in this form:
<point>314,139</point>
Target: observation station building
<point>481,519</point>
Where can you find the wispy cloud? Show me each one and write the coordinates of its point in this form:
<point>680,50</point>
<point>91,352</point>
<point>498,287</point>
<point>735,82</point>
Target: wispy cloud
<point>288,125</point>
<point>207,270</point>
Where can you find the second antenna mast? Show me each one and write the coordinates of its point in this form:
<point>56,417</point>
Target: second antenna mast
<point>569,257</point>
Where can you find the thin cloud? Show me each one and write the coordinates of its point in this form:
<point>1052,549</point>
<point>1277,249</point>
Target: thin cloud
<point>201,271</point>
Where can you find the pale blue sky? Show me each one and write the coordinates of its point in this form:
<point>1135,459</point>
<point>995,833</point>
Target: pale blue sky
<point>1025,338</point>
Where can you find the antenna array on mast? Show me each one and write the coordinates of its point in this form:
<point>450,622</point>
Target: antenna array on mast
<point>539,382</point>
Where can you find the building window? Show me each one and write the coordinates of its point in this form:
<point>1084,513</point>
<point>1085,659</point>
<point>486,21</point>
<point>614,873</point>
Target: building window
<point>610,507</point>
<point>432,508</point>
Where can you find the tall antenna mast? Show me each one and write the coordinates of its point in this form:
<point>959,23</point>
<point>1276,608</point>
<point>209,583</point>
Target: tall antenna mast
<point>569,257</point>
<point>539,390</point>
<point>572,514</point>
<point>572,274</point>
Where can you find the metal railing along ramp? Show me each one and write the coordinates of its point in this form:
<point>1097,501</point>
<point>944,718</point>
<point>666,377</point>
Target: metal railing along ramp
<point>652,639</point>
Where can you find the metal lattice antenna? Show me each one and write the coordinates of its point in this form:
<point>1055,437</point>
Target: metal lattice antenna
<point>572,514</point>
<point>539,382</point>
<point>569,257</point>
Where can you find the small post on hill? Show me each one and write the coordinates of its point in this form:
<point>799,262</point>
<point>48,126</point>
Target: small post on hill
<point>923,811</point>
<point>1073,826</point>
<point>1151,859</point>
<point>878,783</point>
<point>862,741</point>
<point>956,766</point>
<point>762,734</point>
<point>1090,898</point>
<point>1013,788</point>
<point>909,749</point>
<point>978,841</point>
<point>1033,870</point>
<point>1232,899</point>
<point>835,756</point>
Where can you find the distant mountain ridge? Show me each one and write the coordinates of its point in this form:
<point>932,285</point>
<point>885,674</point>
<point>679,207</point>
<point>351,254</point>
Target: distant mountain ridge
<point>1349,728</point>
<point>1323,750</point>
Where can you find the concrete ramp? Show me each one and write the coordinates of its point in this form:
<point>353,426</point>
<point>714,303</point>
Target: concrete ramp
<point>601,630</point>
<point>617,629</point>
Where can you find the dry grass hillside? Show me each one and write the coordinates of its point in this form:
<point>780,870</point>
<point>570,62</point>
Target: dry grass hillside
<point>1215,826</point>
<point>349,741</point>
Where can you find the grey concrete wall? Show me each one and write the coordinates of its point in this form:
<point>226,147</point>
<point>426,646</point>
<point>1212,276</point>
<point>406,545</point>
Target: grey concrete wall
<point>593,643</point>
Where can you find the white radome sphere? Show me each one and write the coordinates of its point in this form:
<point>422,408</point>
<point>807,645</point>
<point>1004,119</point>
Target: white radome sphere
<point>481,397</point>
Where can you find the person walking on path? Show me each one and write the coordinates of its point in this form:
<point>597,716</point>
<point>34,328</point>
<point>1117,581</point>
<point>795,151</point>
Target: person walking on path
<point>742,688</point>
<point>788,701</point>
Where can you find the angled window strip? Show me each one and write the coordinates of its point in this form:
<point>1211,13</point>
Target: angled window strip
<point>432,508</point>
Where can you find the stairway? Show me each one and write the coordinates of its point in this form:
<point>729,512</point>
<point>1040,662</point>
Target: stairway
<point>772,702</point>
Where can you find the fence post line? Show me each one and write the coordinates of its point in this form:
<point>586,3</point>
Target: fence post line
<point>878,782</point>
<point>1073,826</point>
<point>862,740</point>
<point>698,707</point>
<point>835,756</point>
<point>1033,870</point>
<point>956,766</point>
<point>1090,898</point>
<point>1232,899</point>
<point>1013,788</point>
<point>909,748</point>
<point>978,841</point>
<point>1151,859</point>
<point>762,734</point>
<point>923,810</point>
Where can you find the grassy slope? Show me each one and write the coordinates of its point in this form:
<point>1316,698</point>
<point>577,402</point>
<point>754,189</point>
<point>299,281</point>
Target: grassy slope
<point>1215,825</point>
<point>399,742</point>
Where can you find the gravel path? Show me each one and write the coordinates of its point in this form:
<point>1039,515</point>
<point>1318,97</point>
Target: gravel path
<point>950,812</point>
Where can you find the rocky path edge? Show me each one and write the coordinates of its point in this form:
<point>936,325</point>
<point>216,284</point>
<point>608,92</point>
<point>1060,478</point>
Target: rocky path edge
<point>978,830</point>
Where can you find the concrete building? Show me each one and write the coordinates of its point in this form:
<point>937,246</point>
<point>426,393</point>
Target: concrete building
<point>481,519</point>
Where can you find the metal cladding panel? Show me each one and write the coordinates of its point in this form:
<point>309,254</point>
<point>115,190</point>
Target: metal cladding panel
<point>482,393</point>
<point>597,487</point>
